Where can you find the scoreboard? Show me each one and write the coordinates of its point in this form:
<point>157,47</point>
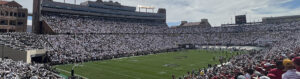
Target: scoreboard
<point>240,19</point>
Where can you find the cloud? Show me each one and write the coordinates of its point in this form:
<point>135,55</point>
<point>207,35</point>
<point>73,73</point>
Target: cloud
<point>216,11</point>
<point>25,3</point>
<point>29,22</point>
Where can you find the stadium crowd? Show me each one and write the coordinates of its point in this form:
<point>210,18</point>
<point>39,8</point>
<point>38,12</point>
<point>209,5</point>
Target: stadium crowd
<point>82,39</point>
<point>22,41</point>
<point>78,48</point>
<point>78,24</point>
<point>10,69</point>
<point>280,61</point>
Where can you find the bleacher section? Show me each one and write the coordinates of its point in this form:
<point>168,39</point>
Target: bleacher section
<point>105,11</point>
<point>77,24</point>
<point>106,30</point>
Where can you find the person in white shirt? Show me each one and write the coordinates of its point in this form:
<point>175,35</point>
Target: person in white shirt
<point>291,72</point>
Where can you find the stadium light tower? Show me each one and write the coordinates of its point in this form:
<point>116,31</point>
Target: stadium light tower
<point>231,20</point>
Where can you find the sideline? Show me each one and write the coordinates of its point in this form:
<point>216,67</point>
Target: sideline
<point>118,73</point>
<point>70,73</point>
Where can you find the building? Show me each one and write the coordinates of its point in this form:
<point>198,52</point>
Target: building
<point>280,19</point>
<point>13,18</point>
<point>204,23</point>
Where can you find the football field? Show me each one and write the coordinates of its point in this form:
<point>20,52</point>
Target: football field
<point>156,66</point>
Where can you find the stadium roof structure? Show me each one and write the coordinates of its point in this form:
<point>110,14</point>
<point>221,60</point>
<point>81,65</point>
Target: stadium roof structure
<point>108,5</point>
<point>99,9</point>
<point>10,3</point>
<point>191,24</point>
<point>145,7</point>
<point>203,23</point>
<point>282,17</point>
<point>3,2</point>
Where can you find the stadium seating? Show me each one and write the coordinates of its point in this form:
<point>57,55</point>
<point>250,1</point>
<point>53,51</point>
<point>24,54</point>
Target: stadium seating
<point>82,39</point>
<point>10,69</point>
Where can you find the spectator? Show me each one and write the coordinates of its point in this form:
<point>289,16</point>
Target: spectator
<point>291,73</point>
<point>277,72</point>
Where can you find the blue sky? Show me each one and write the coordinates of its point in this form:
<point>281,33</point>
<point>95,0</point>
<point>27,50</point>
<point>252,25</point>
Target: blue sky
<point>29,18</point>
<point>216,11</point>
<point>29,21</point>
<point>294,4</point>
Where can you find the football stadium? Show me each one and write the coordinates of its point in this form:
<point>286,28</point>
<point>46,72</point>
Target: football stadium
<point>99,39</point>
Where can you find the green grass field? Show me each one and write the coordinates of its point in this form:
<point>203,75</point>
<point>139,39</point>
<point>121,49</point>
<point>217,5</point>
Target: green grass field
<point>158,66</point>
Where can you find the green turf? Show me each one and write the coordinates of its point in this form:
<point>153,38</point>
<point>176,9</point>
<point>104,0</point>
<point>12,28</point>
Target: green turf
<point>158,66</point>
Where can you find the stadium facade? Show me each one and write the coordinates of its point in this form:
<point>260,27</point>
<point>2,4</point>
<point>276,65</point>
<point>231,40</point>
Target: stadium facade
<point>281,19</point>
<point>113,32</point>
<point>203,24</point>
<point>105,10</point>
<point>94,31</point>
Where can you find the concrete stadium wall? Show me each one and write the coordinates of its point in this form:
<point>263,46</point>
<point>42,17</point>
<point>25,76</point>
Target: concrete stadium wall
<point>17,55</point>
<point>32,53</point>
<point>46,28</point>
<point>10,53</point>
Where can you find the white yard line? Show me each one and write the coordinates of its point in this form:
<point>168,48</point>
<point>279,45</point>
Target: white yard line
<point>124,75</point>
<point>108,71</point>
<point>70,73</point>
<point>120,74</point>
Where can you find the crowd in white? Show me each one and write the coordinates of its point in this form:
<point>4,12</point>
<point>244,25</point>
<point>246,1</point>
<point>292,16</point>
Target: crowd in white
<point>10,69</point>
<point>79,24</point>
<point>87,47</point>
<point>21,41</point>
<point>81,39</point>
